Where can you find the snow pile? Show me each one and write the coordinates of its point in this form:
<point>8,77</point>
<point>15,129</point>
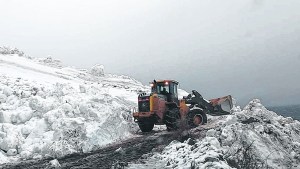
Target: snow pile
<point>48,110</point>
<point>250,138</point>
<point>205,153</point>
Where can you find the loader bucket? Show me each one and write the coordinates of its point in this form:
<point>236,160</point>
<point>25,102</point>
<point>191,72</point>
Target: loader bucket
<point>222,106</point>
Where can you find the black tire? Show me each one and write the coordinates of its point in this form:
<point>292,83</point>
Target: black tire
<point>172,119</point>
<point>146,125</point>
<point>195,115</point>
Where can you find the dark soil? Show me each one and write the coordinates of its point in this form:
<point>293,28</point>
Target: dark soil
<point>131,150</point>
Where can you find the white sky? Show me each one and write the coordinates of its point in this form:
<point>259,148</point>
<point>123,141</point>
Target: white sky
<point>247,48</point>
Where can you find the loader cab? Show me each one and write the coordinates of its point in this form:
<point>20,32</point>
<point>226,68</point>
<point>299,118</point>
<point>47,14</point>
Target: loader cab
<point>167,88</point>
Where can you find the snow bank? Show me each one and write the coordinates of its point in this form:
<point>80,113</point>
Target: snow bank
<point>250,138</point>
<point>50,110</point>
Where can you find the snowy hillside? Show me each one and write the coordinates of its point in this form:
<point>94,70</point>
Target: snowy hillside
<point>250,138</point>
<point>50,110</point>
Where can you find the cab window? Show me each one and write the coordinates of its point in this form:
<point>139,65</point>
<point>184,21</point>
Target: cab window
<point>160,88</point>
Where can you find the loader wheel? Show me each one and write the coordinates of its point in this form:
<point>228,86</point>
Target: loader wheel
<point>196,118</point>
<point>172,119</point>
<point>146,125</point>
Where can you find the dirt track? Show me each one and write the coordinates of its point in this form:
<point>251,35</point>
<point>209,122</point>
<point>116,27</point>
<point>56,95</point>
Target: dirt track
<point>130,151</point>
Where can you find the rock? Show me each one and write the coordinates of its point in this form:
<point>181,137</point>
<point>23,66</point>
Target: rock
<point>41,94</point>
<point>190,141</point>
<point>8,143</point>
<point>7,91</point>
<point>211,159</point>
<point>119,149</point>
<point>211,133</point>
<point>37,149</point>
<point>249,120</point>
<point>14,118</point>
<point>168,163</point>
<point>37,157</point>
<point>82,89</point>
<point>93,114</point>
<point>71,115</point>
<point>76,111</point>
<point>4,145</point>
<point>26,130</point>
<point>289,119</point>
<point>97,70</point>
<point>35,103</point>
<point>3,98</point>
<point>24,115</point>
<point>1,117</point>
<point>66,107</point>
<point>12,152</point>
<point>2,134</point>
<point>3,158</point>
<point>25,155</point>
<point>54,163</point>
<point>83,108</point>
<point>25,94</point>
<point>254,104</point>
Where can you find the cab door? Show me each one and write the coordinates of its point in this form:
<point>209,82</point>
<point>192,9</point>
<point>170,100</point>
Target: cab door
<point>174,93</point>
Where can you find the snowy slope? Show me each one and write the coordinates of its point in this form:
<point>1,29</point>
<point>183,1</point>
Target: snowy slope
<point>250,138</point>
<point>47,109</point>
<point>50,110</point>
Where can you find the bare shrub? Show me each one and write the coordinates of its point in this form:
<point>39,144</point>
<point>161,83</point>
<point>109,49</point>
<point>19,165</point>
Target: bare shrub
<point>8,50</point>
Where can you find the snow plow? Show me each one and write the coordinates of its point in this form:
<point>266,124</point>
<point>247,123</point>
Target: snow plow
<point>162,107</point>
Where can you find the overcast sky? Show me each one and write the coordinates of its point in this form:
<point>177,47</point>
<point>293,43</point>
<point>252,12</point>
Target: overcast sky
<point>246,48</point>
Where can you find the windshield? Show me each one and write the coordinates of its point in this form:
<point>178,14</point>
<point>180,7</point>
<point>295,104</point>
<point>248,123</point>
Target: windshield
<point>162,89</point>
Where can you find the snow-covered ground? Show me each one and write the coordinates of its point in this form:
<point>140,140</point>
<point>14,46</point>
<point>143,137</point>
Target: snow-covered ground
<point>47,109</point>
<point>250,138</point>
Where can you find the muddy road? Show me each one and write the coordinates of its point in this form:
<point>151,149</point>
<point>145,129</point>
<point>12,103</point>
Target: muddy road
<point>116,154</point>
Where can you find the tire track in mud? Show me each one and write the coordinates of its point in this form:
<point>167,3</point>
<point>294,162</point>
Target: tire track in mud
<point>131,150</point>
